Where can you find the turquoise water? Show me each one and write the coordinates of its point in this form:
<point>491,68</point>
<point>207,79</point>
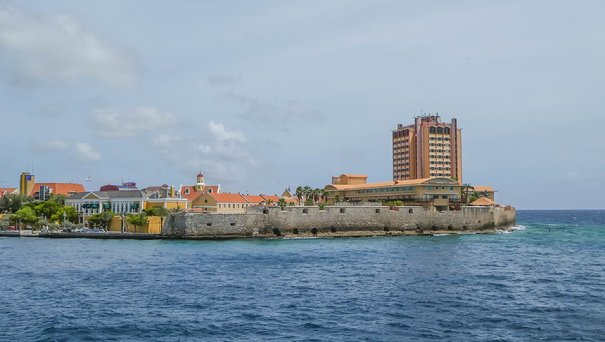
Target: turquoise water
<point>545,281</point>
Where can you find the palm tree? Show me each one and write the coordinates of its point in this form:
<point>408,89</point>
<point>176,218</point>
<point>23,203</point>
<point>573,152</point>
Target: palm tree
<point>307,190</point>
<point>299,193</point>
<point>322,195</point>
<point>465,192</point>
<point>282,203</point>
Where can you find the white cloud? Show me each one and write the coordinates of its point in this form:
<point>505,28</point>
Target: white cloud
<point>86,153</point>
<point>112,122</point>
<point>40,50</point>
<point>219,132</point>
<point>221,153</point>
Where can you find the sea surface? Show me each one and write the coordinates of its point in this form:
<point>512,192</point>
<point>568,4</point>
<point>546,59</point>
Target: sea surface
<point>543,281</point>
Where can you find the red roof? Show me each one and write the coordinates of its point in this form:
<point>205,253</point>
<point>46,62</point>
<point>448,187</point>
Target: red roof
<point>226,197</point>
<point>6,191</point>
<point>254,199</point>
<point>193,193</point>
<point>59,188</point>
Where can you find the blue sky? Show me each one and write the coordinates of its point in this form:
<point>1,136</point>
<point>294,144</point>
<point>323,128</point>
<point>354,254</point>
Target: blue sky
<point>261,95</point>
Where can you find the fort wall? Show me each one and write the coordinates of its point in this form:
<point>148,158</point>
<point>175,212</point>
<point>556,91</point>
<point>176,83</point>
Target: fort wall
<point>336,220</point>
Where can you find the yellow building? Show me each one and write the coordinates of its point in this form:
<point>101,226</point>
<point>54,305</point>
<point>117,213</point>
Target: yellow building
<point>428,148</point>
<point>441,193</point>
<point>26,183</point>
<point>153,226</point>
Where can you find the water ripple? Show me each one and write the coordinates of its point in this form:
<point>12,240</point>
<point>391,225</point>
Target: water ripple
<point>543,281</point>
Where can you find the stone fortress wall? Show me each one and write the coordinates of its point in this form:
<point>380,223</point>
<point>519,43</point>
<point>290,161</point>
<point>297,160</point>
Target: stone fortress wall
<point>336,220</point>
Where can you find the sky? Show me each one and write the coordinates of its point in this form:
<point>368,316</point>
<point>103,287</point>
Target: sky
<point>262,95</point>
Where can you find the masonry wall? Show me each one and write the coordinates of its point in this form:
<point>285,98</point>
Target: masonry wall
<point>306,220</point>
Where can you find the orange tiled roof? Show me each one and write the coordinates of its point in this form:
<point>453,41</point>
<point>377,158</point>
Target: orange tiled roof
<point>59,188</point>
<point>254,199</point>
<point>6,191</point>
<point>379,184</point>
<point>483,201</point>
<point>483,188</point>
<point>226,197</point>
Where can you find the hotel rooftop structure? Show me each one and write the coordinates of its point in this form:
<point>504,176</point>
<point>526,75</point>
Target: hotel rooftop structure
<point>428,148</point>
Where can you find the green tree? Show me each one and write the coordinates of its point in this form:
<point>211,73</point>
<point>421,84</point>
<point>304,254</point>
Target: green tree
<point>299,194</point>
<point>102,219</point>
<point>308,191</point>
<point>337,198</point>
<point>309,201</point>
<point>12,202</point>
<point>47,209</point>
<point>58,198</point>
<point>316,195</point>
<point>25,215</point>
<point>137,220</point>
<point>65,213</point>
<point>157,211</point>
<point>5,222</point>
<point>282,203</point>
<point>467,191</point>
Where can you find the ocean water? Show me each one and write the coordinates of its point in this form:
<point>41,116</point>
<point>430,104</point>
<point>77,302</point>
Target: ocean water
<point>544,281</point>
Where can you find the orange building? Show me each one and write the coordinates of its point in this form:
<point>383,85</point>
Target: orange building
<point>191,192</point>
<point>428,148</point>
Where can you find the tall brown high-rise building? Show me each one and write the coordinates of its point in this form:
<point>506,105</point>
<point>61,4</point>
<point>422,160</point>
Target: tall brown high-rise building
<point>428,148</point>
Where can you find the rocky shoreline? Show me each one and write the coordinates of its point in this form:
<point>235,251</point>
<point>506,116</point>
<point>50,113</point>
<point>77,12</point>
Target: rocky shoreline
<point>306,235</point>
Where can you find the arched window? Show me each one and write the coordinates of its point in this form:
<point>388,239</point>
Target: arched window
<point>431,129</point>
<point>446,130</point>
<point>439,130</point>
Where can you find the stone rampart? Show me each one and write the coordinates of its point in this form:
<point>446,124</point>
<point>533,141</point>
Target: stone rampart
<point>341,220</point>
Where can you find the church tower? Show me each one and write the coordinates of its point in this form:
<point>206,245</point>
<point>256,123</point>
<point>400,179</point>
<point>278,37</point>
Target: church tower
<point>199,186</point>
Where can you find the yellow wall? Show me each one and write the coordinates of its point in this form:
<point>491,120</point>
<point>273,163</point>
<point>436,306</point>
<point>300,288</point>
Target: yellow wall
<point>203,201</point>
<point>154,226</point>
<point>169,204</point>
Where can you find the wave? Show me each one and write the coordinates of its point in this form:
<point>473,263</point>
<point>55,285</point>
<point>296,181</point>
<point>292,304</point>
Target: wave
<point>511,229</point>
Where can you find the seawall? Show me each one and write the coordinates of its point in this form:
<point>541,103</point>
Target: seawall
<point>337,221</point>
